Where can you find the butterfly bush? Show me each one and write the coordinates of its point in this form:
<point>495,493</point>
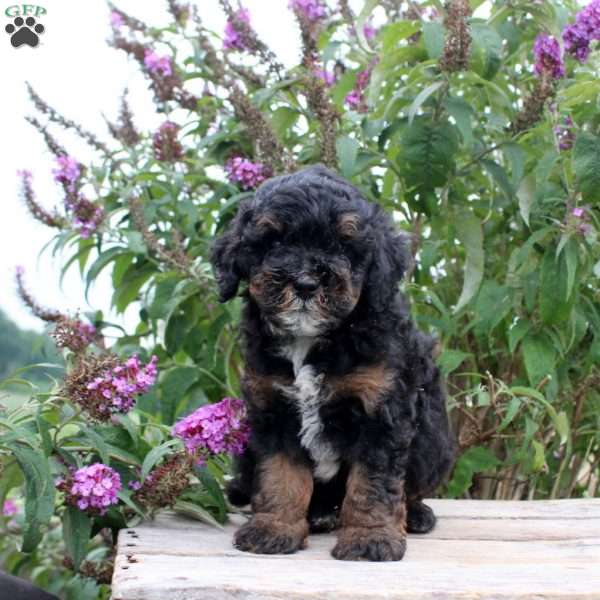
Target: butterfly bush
<point>92,489</point>
<point>247,174</point>
<point>419,134</point>
<point>215,429</point>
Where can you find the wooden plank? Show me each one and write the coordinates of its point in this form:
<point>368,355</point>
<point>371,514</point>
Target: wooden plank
<point>479,550</point>
<point>157,577</point>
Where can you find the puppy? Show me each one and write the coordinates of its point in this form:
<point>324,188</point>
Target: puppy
<point>346,406</point>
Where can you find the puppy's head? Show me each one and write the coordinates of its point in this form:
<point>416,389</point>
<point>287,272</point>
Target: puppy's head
<point>311,248</point>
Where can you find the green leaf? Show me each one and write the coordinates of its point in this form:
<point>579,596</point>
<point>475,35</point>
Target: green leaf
<point>526,196</point>
<point>433,38</point>
<point>39,493</point>
<point>474,460</point>
<point>586,163</point>
<point>539,456</point>
<point>427,152</point>
<point>283,120</point>
<point>511,411</point>
<point>175,383</point>
<point>347,152</point>
<point>539,356</point>
<point>100,263</point>
<point>554,303</point>
<point>450,360</point>
<point>155,455</point>
<point>500,177</point>
<point>462,113</point>
<point>516,333</point>
<point>395,32</point>
<point>469,232</point>
<point>486,52</point>
<point>195,511</point>
<point>76,530</point>
<point>571,259</point>
<point>421,98</point>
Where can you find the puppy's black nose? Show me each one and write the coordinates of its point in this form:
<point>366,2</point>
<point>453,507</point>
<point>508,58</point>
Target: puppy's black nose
<point>305,285</point>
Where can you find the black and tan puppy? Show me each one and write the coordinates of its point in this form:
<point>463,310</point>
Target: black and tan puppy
<point>348,417</point>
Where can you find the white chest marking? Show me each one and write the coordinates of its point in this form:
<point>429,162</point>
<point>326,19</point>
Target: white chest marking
<point>309,395</point>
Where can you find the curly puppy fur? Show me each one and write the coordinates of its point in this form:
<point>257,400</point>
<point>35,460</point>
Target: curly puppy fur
<point>348,416</point>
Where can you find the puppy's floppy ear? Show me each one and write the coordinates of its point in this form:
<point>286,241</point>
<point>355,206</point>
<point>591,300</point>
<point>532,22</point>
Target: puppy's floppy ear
<point>391,258</point>
<point>225,254</point>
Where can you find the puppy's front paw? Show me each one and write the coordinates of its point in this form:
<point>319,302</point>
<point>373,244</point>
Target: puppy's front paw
<point>420,518</point>
<point>357,543</point>
<point>267,536</point>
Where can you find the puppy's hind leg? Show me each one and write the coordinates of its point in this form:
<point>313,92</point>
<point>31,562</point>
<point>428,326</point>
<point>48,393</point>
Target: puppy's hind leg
<point>420,518</point>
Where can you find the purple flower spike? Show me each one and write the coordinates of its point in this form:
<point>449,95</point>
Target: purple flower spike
<point>548,57</point>
<point>233,40</point>
<point>67,172</point>
<point>312,10</point>
<point>578,36</point>
<point>215,428</point>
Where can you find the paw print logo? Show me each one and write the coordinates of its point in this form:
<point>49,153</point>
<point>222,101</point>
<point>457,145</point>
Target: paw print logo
<point>24,31</point>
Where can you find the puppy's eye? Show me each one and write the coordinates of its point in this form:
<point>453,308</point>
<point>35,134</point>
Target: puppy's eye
<point>269,224</point>
<point>348,226</point>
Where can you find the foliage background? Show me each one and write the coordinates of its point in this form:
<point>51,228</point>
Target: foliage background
<point>504,234</point>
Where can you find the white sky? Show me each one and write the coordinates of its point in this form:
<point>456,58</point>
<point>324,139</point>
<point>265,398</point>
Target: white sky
<point>75,71</point>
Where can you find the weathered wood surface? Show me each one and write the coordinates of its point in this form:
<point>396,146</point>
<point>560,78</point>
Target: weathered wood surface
<point>479,550</point>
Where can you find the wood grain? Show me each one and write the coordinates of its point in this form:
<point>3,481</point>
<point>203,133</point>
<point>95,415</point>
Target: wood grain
<point>480,550</point>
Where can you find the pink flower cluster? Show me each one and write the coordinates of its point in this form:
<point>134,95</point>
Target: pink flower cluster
<point>312,10</point>
<point>116,20</point>
<point>578,36</point>
<point>68,172</point>
<point>93,488</point>
<point>356,98</point>
<point>243,171</point>
<point>215,428</point>
<point>327,77</point>
<point>87,215</point>
<point>565,135</point>
<point>232,39</point>
<point>158,64</point>
<point>548,57</point>
<point>9,508</point>
<point>116,389</point>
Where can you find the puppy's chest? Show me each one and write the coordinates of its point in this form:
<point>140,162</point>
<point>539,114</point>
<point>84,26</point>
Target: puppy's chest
<point>309,393</point>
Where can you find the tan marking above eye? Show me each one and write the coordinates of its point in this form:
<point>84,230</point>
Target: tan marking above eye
<point>269,222</point>
<point>348,225</point>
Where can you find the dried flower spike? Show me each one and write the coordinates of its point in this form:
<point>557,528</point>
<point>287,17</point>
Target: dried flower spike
<point>37,212</point>
<point>167,147</point>
<point>457,46</point>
